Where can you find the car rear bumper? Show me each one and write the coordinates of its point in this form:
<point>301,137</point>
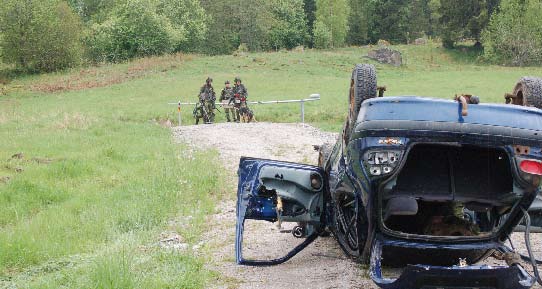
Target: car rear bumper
<point>427,276</point>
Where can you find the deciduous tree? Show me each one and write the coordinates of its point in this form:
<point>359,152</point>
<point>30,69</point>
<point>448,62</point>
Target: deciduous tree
<point>289,28</point>
<point>334,15</point>
<point>514,33</point>
<point>40,35</point>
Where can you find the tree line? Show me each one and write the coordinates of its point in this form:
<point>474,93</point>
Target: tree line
<point>47,35</point>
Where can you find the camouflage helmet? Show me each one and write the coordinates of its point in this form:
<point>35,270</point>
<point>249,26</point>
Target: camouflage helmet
<point>237,78</point>
<point>209,80</point>
<point>227,82</point>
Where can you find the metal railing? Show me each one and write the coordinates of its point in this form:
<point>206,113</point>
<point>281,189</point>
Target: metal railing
<point>312,97</point>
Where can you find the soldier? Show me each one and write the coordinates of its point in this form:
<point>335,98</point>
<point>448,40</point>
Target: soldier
<point>207,99</point>
<point>226,97</point>
<point>240,97</point>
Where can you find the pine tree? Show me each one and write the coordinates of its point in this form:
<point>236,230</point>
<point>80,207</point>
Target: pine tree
<point>464,19</point>
<point>392,21</point>
<point>310,14</point>
<point>359,22</point>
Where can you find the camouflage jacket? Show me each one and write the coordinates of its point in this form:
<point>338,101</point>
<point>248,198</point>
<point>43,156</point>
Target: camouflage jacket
<point>207,93</point>
<point>240,92</point>
<point>226,94</point>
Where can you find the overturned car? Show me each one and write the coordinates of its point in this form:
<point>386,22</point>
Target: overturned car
<point>431,186</point>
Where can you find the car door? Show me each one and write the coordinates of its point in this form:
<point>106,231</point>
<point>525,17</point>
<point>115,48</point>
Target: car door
<point>281,193</point>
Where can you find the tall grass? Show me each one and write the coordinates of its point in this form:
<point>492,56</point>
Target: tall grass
<point>85,205</point>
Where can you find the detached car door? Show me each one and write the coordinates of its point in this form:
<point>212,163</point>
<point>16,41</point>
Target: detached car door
<point>291,196</point>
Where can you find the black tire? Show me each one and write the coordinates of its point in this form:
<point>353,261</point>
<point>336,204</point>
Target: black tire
<point>362,87</point>
<point>528,92</point>
<point>349,228</point>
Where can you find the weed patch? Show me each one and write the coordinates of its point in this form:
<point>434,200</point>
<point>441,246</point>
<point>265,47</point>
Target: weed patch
<point>106,75</point>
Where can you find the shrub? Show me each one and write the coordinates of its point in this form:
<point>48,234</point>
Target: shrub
<point>514,33</point>
<point>40,36</point>
<point>133,29</point>
<point>189,19</point>
<point>322,35</point>
<point>290,26</point>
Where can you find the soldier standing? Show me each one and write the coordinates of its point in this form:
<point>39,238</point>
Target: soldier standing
<point>226,97</point>
<point>240,97</point>
<point>207,99</point>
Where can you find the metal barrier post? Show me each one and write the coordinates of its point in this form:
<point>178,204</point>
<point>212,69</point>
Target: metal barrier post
<point>179,111</point>
<point>303,111</point>
<point>312,97</point>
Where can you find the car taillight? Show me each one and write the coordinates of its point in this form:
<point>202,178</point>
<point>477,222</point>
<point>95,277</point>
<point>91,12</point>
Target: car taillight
<point>532,167</point>
<point>380,163</point>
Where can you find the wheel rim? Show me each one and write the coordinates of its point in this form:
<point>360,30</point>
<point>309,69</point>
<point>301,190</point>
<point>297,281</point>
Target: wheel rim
<point>347,223</point>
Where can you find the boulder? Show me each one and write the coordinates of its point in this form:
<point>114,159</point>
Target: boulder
<point>387,56</point>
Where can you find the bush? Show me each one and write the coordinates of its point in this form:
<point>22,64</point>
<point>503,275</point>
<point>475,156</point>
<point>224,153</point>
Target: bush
<point>514,34</point>
<point>133,30</point>
<point>290,27</point>
<point>40,36</point>
<point>322,35</point>
<point>188,18</point>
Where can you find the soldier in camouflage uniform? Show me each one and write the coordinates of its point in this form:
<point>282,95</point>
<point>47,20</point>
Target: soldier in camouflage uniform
<point>207,98</point>
<point>226,97</point>
<point>240,97</point>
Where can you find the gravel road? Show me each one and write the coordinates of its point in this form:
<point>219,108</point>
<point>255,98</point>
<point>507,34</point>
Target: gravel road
<point>322,264</point>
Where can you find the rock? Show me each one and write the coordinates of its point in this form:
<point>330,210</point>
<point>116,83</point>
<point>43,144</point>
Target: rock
<point>18,156</point>
<point>172,241</point>
<point>179,247</point>
<point>387,56</point>
<point>382,42</point>
<point>198,246</point>
<point>420,41</point>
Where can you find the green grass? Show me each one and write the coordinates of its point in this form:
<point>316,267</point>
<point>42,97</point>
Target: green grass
<point>99,179</point>
<point>95,186</point>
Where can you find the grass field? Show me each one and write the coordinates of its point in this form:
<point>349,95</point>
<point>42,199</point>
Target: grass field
<point>99,179</point>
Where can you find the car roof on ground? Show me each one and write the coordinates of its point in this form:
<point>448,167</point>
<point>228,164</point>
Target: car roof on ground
<point>415,108</point>
<point>409,116</point>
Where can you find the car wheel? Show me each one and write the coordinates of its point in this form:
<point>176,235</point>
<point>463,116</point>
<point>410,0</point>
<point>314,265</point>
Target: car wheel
<point>362,87</point>
<point>349,228</point>
<point>528,92</point>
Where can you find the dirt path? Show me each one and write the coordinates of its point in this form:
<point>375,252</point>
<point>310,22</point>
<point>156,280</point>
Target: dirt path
<point>322,264</point>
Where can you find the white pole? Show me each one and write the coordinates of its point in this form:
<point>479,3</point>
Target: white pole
<point>179,112</point>
<point>303,112</point>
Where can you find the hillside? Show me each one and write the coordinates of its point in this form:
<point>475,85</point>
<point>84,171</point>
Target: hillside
<point>100,187</point>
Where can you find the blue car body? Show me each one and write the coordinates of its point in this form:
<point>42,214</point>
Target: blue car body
<point>403,134</point>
